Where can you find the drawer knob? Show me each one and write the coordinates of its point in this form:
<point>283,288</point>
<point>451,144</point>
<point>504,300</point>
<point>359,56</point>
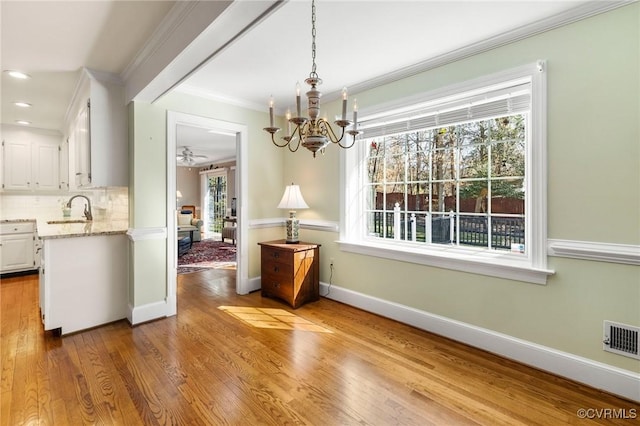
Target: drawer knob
<point>276,254</point>
<point>276,269</point>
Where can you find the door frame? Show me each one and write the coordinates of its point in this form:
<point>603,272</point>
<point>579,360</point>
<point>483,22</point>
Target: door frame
<point>241,133</point>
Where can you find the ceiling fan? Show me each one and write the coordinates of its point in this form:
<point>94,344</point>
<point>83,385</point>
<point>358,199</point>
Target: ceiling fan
<point>188,157</point>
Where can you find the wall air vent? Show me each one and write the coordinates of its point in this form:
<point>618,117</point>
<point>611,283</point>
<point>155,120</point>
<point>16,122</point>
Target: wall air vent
<point>621,339</point>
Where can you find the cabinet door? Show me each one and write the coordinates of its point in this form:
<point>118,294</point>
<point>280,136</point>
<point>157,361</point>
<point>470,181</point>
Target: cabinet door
<point>82,138</point>
<point>16,252</point>
<point>17,165</point>
<point>44,165</point>
<point>63,165</point>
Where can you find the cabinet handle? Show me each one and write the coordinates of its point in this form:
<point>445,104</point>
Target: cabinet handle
<point>276,285</point>
<point>276,254</point>
<point>276,269</point>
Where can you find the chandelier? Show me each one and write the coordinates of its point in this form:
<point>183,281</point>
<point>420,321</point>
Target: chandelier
<point>312,132</point>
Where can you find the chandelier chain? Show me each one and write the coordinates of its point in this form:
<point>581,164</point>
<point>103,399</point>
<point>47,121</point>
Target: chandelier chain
<point>312,132</point>
<point>313,73</point>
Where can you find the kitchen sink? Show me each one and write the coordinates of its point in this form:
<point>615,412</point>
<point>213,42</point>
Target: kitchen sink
<point>63,222</point>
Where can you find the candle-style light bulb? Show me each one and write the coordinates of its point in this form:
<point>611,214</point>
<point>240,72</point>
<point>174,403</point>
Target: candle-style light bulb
<point>298,99</point>
<point>288,116</point>
<point>271,111</point>
<point>344,103</point>
<point>355,113</point>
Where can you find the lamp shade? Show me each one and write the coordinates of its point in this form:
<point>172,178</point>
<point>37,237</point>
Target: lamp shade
<point>292,199</point>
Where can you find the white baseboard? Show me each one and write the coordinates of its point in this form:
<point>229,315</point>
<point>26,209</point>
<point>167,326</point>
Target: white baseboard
<point>149,312</point>
<point>598,375</point>
<point>254,284</point>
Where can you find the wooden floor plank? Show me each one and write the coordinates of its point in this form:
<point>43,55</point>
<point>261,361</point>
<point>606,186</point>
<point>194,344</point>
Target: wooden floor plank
<point>207,367</point>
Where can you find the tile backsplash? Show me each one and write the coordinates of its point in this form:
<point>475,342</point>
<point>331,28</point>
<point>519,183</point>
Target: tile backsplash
<point>106,204</point>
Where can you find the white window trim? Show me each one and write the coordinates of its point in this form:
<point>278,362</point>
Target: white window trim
<point>531,268</point>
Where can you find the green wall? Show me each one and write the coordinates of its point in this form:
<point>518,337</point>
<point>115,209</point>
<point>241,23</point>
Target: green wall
<point>593,192</point>
<point>593,195</point>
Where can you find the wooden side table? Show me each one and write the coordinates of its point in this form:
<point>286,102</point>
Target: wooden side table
<point>290,272</point>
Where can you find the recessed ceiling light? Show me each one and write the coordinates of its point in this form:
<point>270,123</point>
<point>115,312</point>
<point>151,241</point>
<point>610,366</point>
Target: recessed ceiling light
<point>22,104</point>
<point>23,122</point>
<point>18,74</point>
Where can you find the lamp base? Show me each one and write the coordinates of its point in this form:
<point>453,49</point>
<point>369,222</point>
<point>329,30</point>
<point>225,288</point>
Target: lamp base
<point>292,225</point>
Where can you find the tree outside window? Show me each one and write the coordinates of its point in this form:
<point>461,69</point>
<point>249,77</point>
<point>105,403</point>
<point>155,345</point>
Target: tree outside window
<point>461,184</point>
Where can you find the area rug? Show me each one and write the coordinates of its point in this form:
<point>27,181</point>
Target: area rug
<point>207,254</point>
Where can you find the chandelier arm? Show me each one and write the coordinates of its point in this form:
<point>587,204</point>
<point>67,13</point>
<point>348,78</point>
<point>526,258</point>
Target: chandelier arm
<point>296,148</point>
<point>273,139</point>
<point>328,130</point>
<point>348,146</point>
<point>293,137</point>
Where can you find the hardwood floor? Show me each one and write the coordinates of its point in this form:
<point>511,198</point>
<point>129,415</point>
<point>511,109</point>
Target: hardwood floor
<point>207,367</point>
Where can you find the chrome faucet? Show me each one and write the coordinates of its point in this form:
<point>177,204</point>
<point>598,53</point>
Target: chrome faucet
<point>87,207</point>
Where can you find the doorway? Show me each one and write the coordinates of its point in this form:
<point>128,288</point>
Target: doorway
<point>215,201</point>
<point>174,119</point>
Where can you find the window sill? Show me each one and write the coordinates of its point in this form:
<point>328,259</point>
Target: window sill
<point>494,264</point>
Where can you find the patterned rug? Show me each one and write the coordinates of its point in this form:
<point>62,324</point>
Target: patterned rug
<point>207,254</point>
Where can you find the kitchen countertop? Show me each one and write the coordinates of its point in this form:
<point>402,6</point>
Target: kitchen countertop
<point>72,230</point>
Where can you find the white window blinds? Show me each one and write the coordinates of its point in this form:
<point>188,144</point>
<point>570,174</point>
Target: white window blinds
<point>509,98</point>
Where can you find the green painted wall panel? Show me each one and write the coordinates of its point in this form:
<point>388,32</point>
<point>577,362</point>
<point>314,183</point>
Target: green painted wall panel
<point>593,195</point>
<point>594,187</point>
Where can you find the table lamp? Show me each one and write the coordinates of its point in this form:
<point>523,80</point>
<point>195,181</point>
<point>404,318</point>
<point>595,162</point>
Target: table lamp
<point>292,200</point>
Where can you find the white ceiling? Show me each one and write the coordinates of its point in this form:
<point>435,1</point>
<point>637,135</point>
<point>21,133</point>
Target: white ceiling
<point>359,43</point>
<point>53,40</point>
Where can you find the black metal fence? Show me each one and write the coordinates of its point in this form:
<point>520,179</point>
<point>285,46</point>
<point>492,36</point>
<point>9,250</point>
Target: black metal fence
<point>473,230</point>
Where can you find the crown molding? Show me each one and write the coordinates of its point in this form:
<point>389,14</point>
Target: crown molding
<point>195,91</point>
<point>169,25</point>
<point>182,9</point>
<point>576,14</point>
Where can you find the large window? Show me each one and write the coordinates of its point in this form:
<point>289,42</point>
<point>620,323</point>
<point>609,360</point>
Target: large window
<point>462,184</point>
<point>455,179</point>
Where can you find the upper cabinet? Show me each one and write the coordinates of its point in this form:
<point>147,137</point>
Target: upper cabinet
<point>97,132</point>
<point>30,160</point>
<point>64,164</point>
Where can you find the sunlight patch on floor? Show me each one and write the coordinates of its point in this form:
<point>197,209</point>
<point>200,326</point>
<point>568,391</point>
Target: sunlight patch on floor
<point>272,318</point>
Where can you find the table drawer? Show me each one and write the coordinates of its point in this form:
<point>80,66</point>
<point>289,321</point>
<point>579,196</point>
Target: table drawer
<point>277,268</point>
<point>274,255</point>
<point>277,285</point>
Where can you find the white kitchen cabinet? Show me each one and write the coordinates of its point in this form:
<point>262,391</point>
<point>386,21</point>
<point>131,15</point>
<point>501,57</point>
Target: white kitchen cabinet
<point>30,160</point>
<point>63,165</point>
<point>17,164</point>
<point>98,136</point>
<point>17,247</point>
<point>45,166</point>
<point>83,282</point>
